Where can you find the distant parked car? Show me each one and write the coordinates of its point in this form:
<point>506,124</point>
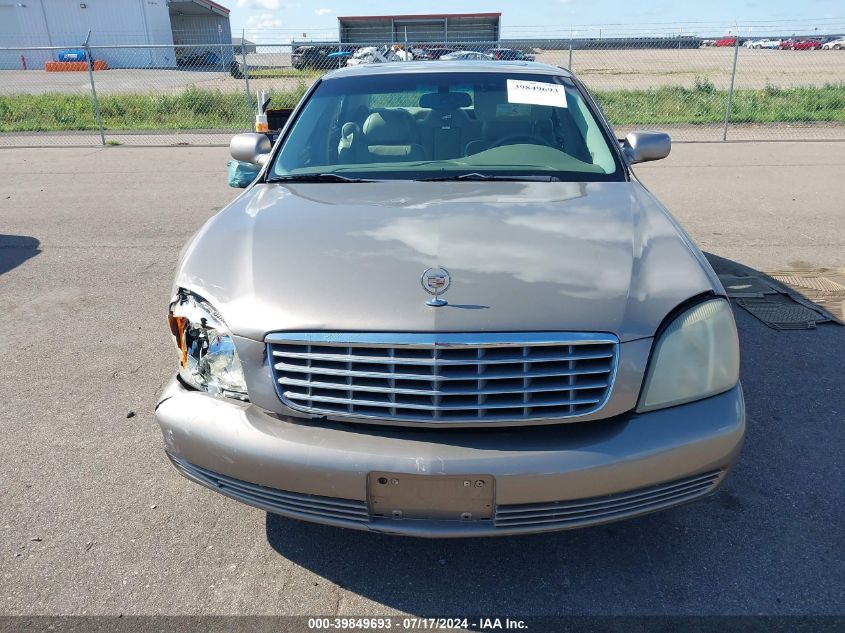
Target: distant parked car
<point>807,45</point>
<point>800,45</point>
<point>835,45</point>
<point>198,59</point>
<point>771,44</point>
<point>317,58</point>
<point>725,41</point>
<point>509,54</point>
<point>431,53</point>
<point>367,55</point>
<point>465,55</point>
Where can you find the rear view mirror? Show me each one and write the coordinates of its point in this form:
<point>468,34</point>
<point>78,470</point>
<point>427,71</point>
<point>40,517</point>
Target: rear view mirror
<point>640,147</point>
<point>250,148</point>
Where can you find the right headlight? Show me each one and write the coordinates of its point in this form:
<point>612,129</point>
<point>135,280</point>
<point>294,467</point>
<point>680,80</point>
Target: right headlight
<point>208,358</point>
<point>697,356</point>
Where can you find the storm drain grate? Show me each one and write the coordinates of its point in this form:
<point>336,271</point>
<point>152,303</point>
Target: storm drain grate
<point>782,315</point>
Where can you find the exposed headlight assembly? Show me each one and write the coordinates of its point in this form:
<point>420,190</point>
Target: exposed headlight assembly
<point>208,359</point>
<point>697,356</point>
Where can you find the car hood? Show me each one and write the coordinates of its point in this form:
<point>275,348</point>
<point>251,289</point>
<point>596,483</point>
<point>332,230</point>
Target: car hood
<point>597,257</point>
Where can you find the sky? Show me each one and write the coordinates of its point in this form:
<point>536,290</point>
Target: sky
<point>283,20</point>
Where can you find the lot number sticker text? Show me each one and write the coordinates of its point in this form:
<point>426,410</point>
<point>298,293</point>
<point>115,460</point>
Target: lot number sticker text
<point>536,93</point>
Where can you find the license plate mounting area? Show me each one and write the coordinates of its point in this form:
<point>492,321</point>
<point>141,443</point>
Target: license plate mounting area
<point>431,497</point>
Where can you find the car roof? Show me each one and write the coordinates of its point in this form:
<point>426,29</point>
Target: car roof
<point>451,66</point>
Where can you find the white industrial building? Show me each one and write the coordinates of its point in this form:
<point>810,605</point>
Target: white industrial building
<point>174,25</point>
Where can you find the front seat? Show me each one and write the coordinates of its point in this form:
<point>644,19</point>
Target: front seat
<point>391,136</point>
<point>447,127</point>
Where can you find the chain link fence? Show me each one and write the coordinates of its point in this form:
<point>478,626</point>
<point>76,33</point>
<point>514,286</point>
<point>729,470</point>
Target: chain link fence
<point>786,89</point>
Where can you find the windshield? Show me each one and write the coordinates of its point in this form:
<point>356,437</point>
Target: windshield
<point>423,126</point>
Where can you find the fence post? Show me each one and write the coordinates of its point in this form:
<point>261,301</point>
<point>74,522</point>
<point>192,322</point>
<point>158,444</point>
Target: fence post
<point>94,89</point>
<point>729,105</point>
<point>570,53</point>
<point>250,125</point>
<point>220,43</point>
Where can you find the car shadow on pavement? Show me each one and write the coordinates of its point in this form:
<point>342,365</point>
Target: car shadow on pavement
<point>15,250</point>
<point>604,569</point>
<point>758,545</point>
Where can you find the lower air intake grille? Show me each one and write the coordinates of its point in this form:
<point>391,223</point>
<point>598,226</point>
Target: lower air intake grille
<point>561,514</point>
<point>312,507</point>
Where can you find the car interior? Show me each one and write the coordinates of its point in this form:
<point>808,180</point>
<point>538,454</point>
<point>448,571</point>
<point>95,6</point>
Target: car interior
<point>422,125</point>
<point>448,125</point>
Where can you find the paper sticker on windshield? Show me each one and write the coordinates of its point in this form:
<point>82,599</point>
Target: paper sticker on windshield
<point>536,93</point>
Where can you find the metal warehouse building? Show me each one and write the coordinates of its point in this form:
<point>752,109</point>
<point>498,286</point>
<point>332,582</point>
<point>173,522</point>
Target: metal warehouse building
<point>447,27</point>
<point>169,23</point>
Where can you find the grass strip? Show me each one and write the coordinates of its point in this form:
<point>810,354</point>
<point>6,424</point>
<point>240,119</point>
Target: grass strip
<point>196,109</point>
<point>704,104</point>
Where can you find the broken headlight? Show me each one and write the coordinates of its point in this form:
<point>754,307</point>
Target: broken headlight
<point>208,358</point>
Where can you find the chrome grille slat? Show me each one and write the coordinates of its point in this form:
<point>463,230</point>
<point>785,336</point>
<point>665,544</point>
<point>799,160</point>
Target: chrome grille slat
<point>428,377</point>
<point>444,378</point>
<point>438,392</point>
<point>427,361</point>
<point>444,407</point>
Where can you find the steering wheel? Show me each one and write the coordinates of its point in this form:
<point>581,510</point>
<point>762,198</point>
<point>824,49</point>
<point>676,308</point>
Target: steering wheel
<point>513,139</point>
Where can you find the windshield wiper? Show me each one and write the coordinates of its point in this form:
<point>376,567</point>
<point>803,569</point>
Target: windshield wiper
<point>477,176</point>
<point>316,178</point>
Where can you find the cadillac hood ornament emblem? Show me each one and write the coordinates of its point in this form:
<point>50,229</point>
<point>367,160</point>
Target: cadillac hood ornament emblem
<point>436,281</point>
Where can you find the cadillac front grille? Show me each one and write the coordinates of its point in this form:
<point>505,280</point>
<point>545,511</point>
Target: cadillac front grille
<point>455,377</point>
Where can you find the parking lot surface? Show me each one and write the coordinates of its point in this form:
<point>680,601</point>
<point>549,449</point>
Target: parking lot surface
<point>94,520</point>
<point>610,69</point>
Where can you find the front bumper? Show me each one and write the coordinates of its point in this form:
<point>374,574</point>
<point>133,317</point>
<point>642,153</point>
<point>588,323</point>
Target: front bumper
<point>546,478</point>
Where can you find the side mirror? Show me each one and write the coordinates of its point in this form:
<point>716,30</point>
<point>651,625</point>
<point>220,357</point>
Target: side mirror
<point>250,148</point>
<point>640,147</point>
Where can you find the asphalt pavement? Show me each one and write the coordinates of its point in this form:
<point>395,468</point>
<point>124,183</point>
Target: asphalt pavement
<point>94,520</point>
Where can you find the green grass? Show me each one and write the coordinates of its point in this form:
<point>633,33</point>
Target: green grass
<point>196,109</point>
<point>192,109</point>
<point>704,104</point>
